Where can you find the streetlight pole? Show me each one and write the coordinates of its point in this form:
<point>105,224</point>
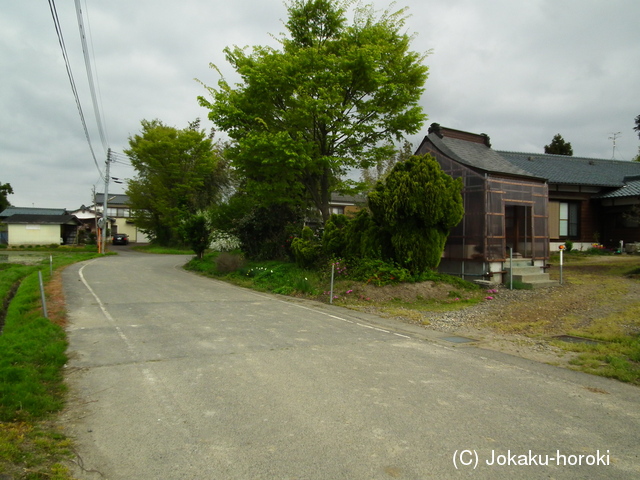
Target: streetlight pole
<point>105,220</point>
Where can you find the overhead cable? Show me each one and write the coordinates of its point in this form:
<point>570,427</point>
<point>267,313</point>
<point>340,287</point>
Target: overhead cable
<point>87,63</point>
<point>56,22</point>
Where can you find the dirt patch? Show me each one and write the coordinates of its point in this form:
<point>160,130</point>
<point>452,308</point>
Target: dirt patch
<point>405,292</point>
<point>520,322</point>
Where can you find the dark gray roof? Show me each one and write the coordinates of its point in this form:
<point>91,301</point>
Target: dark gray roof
<point>477,155</point>
<point>338,199</point>
<point>114,199</point>
<point>563,169</point>
<point>32,211</point>
<point>630,189</point>
<point>43,219</point>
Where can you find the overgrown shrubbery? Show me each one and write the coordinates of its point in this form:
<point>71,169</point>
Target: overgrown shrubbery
<point>306,249</point>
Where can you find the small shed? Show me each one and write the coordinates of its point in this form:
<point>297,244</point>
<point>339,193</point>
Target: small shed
<point>42,229</point>
<point>506,208</point>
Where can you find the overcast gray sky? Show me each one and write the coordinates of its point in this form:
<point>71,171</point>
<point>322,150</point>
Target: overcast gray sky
<point>519,71</point>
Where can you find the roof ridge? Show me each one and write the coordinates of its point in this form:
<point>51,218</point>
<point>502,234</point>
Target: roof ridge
<point>564,157</point>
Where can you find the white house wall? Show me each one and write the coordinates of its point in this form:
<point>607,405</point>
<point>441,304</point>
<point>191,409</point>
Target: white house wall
<point>21,234</point>
<point>135,236</point>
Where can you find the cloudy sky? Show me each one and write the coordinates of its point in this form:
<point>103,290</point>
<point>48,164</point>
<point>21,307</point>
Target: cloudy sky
<point>519,71</point>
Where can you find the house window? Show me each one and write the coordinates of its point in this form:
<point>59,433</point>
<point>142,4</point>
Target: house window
<point>569,214</point>
<point>118,212</point>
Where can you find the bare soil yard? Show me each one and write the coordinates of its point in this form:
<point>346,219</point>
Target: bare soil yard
<point>599,298</point>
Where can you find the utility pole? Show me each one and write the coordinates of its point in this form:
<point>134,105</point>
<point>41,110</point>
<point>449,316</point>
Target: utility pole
<point>105,220</point>
<point>615,135</point>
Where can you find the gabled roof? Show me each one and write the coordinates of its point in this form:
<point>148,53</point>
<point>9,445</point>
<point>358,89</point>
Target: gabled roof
<point>472,150</point>
<point>32,211</point>
<point>567,170</point>
<point>42,220</point>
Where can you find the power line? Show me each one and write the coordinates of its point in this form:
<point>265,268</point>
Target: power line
<point>87,63</point>
<point>56,22</point>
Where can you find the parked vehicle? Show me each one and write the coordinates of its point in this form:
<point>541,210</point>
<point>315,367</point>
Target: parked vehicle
<point>120,239</point>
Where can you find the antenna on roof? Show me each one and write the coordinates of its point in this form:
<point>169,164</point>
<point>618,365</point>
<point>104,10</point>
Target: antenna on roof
<point>615,135</point>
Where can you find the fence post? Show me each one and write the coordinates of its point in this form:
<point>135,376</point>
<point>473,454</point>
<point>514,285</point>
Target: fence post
<point>44,300</point>
<point>333,266</point>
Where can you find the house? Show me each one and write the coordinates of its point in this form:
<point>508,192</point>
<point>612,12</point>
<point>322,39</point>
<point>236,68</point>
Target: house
<point>120,217</point>
<point>33,226</point>
<point>346,204</point>
<point>506,208</point>
<point>590,200</point>
<point>524,205</point>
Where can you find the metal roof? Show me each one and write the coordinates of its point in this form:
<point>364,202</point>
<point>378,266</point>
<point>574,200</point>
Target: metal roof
<point>114,199</point>
<point>473,151</point>
<point>562,169</point>
<point>42,220</point>
<point>9,211</point>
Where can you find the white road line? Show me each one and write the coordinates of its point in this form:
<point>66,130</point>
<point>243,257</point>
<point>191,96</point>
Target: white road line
<point>106,313</point>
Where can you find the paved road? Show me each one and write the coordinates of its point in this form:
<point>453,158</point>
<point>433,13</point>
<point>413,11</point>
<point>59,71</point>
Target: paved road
<point>175,376</point>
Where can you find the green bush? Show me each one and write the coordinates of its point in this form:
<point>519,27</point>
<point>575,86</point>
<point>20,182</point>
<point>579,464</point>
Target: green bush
<point>379,272</point>
<point>334,238</point>
<point>568,245</point>
<point>306,249</point>
<point>417,205</point>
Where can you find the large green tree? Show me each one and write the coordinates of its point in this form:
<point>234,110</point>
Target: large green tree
<point>178,173</point>
<point>382,168</point>
<point>558,146</point>
<point>416,206</point>
<point>5,190</point>
<point>331,98</point>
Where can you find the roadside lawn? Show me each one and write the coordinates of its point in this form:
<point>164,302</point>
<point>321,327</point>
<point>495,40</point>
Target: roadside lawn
<point>32,356</point>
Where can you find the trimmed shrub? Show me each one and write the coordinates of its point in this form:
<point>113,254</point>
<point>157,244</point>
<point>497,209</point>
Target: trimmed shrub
<point>306,250</point>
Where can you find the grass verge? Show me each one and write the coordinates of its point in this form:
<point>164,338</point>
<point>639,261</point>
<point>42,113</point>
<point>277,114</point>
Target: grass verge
<point>163,250</point>
<point>32,389</point>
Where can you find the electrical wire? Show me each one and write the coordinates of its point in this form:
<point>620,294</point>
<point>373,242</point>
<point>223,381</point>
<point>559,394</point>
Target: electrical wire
<point>56,22</point>
<point>87,63</point>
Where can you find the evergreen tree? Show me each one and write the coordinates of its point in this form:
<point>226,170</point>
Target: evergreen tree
<point>559,147</point>
<point>416,206</point>
<point>5,189</point>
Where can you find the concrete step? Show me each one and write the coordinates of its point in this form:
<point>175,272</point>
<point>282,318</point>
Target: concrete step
<point>524,270</point>
<point>518,263</point>
<point>529,278</point>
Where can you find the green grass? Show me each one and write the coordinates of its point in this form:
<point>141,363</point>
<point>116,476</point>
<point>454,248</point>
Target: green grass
<point>53,248</point>
<point>32,356</point>
<point>163,250</point>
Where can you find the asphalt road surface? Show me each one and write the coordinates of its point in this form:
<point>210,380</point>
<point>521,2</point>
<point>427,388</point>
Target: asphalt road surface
<point>176,376</point>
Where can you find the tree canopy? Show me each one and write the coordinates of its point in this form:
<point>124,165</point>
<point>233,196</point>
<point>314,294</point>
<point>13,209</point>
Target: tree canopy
<point>5,190</point>
<point>329,99</point>
<point>178,174</point>
<point>637,127</point>
<point>559,147</point>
